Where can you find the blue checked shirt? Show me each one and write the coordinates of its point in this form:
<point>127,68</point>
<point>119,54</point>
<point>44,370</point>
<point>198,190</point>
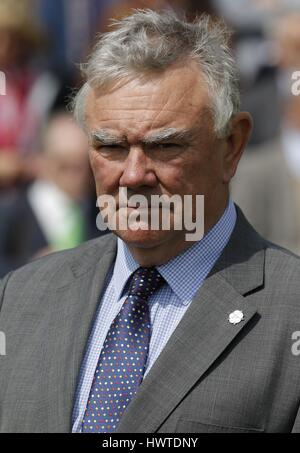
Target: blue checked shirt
<point>184,275</point>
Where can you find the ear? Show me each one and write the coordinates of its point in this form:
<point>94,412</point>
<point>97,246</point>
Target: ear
<point>241,127</point>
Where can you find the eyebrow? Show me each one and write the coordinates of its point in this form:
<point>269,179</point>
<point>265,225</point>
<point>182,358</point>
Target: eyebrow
<point>170,134</point>
<point>106,138</point>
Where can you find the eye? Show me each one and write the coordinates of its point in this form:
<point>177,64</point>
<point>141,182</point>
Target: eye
<point>165,151</point>
<point>163,148</point>
<point>113,152</point>
<point>168,145</point>
<point>110,149</point>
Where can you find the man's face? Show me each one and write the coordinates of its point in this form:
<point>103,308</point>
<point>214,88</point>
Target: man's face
<point>133,120</point>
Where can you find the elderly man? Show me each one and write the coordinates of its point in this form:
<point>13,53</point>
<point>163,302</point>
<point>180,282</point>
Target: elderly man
<point>149,331</point>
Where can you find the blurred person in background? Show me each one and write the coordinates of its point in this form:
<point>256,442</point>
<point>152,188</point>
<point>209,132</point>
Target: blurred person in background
<point>29,91</point>
<point>255,54</point>
<point>71,25</point>
<point>54,212</point>
<point>267,184</point>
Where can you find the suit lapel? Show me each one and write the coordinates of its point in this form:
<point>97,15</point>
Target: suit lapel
<point>93,285</point>
<point>86,280</point>
<point>203,333</point>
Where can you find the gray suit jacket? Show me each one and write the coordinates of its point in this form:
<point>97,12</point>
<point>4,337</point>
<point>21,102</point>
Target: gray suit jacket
<point>212,376</point>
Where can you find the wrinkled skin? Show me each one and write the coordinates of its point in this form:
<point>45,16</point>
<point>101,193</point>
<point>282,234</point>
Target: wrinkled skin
<point>201,164</point>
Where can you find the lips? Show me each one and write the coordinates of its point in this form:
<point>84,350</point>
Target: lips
<point>138,205</point>
<point>142,201</point>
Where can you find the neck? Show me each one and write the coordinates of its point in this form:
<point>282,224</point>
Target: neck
<point>158,255</point>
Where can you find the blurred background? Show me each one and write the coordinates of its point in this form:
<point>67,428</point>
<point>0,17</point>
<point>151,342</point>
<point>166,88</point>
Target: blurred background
<point>47,197</point>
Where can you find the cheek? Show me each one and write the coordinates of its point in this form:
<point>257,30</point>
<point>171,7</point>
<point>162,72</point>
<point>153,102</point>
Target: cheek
<point>171,177</point>
<point>202,175</point>
<point>106,174</point>
<point>179,177</point>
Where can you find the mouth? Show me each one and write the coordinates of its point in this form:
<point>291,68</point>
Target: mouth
<point>140,205</point>
<point>141,202</point>
<point>142,208</point>
<point>135,205</point>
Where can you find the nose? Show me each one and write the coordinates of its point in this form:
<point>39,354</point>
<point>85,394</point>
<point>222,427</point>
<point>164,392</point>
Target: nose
<point>138,170</point>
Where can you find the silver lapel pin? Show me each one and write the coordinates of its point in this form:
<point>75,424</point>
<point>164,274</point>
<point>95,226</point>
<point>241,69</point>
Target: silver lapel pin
<point>236,316</point>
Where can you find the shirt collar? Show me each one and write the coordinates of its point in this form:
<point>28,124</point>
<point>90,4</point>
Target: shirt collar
<point>194,264</point>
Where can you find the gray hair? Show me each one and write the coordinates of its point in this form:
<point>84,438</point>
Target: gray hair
<point>150,41</point>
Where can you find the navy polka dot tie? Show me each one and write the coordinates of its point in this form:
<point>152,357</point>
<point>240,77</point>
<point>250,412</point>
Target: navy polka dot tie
<point>122,361</point>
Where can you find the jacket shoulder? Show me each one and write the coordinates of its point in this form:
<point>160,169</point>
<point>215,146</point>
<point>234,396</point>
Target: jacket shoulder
<point>43,270</point>
<point>280,258</point>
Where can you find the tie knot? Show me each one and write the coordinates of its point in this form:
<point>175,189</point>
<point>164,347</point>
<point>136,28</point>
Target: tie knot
<point>145,281</point>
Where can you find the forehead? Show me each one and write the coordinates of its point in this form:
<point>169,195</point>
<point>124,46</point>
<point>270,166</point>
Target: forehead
<point>178,97</point>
